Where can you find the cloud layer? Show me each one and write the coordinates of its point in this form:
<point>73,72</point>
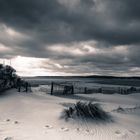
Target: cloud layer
<point>77,36</point>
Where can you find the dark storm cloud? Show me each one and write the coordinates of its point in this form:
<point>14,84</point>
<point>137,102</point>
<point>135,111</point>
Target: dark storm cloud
<point>55,21</point>
<point>31,27</point>
<point>117,60</point>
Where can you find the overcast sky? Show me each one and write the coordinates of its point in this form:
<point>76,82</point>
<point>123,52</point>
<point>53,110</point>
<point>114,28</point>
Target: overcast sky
<point>71,37</point>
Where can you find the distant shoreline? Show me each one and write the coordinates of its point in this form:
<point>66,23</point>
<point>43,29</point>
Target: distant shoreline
<point>91,76</point>
<point>107,80</point>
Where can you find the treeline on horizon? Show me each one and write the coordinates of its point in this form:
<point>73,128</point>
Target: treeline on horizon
<point>90,76</point>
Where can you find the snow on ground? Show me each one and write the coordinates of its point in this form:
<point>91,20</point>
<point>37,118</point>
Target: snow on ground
<point>36,116</point>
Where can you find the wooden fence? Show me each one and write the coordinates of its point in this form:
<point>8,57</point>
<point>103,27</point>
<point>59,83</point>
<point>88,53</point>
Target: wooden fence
<point>62,88</point>
<point>71,88</point>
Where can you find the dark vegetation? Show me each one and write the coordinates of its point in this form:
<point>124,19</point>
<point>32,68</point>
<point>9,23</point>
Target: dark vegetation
<point>88,111</point>
<point>9,79</point>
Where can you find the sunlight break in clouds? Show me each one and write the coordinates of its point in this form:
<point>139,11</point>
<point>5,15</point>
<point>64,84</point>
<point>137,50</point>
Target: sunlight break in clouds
<point>28,66</point>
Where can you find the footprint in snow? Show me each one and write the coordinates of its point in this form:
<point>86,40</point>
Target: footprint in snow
<point>8,138</point>
<point>64,129</point>
<point>8,120</point>
<point>118,133</point>
<point>49,126</point>
<point>16,122</point>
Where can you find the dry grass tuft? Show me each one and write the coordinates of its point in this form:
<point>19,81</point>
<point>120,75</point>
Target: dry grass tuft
<point>86,110</point>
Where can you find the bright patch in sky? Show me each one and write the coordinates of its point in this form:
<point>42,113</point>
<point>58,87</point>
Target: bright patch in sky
<point>27,66</point>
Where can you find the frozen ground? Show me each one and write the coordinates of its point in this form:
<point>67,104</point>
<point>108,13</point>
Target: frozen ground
<point>36,116</point>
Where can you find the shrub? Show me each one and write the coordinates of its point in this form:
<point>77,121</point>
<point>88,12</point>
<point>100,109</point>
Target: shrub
<point>86,110</point>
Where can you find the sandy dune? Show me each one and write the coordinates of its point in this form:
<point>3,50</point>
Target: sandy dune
<point>36,116</point>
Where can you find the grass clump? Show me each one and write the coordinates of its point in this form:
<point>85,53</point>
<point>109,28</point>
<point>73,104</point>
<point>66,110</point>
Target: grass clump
<point>86,110</point>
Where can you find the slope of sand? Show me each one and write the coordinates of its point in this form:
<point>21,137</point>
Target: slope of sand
<point>36,116</point>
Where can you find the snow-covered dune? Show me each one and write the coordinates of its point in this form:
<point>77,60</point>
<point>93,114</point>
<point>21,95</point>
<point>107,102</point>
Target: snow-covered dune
<point>36,116</point>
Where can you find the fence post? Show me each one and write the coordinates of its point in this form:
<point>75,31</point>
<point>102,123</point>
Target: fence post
<point>100,90</point>
<point>119,90</point>
<point>52,88</point>
<point>85,90</point>
<point>72,90</point>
